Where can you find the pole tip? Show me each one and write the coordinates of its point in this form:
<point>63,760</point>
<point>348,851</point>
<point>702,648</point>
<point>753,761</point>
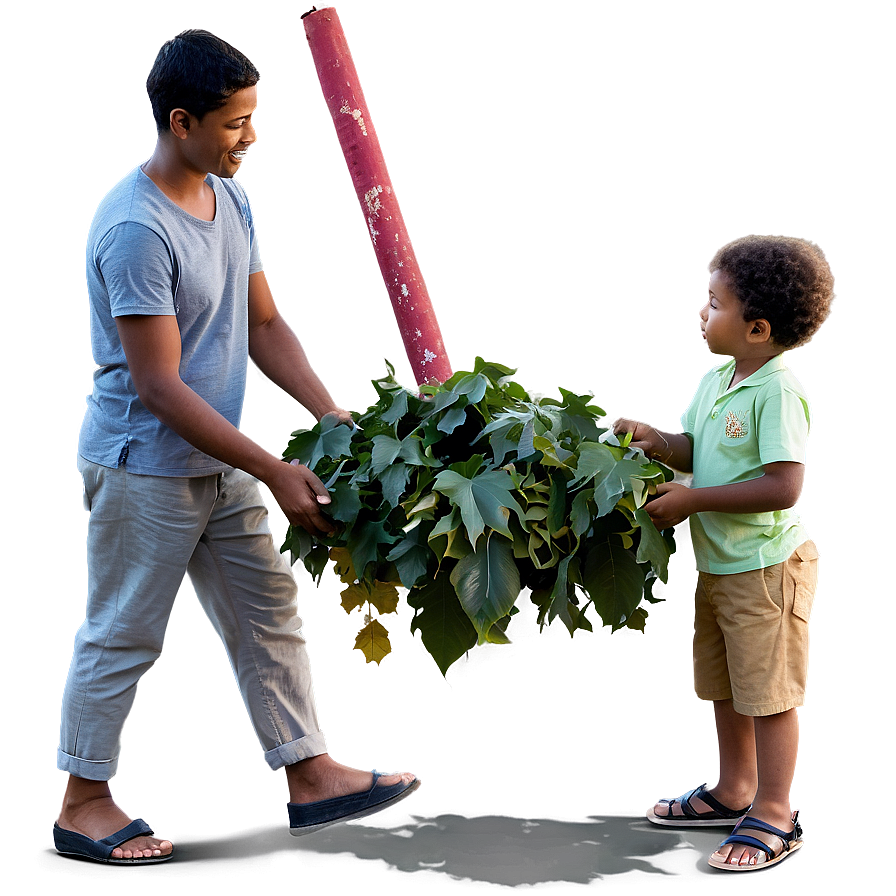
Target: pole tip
<point>305,14</point>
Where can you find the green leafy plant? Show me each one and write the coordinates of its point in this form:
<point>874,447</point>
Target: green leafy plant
<point>468,493</point>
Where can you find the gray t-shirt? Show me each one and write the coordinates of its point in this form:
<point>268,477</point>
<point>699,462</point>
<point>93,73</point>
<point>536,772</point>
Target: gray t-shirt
<point>146,255</point>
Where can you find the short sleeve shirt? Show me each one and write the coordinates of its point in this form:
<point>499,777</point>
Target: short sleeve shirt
<point>764,419</point>
<point>146,255</point>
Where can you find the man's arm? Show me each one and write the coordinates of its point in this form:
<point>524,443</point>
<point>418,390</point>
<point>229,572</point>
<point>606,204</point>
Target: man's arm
<point>153,349</point>
<point>777,489</point>
<point>279,355</point>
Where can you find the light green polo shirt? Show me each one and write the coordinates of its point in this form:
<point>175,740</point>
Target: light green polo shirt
<point>763,419</point>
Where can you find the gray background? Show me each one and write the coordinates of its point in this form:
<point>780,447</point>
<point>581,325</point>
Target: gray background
<point>565,170</point>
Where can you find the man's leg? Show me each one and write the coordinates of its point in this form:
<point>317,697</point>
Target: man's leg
<point>140,535</point>
<point>248,592</point>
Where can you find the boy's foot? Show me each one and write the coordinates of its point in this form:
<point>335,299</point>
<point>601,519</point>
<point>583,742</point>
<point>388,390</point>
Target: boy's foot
<point>696,808</point>
<point>100,817</point>
<point>742,852</point>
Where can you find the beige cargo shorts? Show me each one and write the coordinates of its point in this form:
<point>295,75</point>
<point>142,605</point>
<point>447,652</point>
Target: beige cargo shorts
<point>751,634</point>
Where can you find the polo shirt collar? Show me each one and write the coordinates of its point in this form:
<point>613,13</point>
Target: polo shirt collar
<point>769,369</point>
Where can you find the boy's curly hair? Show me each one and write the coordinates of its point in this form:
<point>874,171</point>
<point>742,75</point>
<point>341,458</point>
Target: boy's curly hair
<point>783,279</point>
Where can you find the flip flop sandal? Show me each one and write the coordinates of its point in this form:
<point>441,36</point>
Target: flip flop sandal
<point>791,841</point>
<point>75,845</point>
<point>718,815</point>
<point>305,818</point>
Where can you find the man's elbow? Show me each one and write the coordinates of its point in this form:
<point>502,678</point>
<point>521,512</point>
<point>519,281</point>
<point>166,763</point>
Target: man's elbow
<point>157,394</point>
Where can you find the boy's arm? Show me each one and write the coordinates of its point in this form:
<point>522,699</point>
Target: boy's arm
<point>777,489</point>
<point>279,355</point>
<point>153,349</point>
<point>673,449</point>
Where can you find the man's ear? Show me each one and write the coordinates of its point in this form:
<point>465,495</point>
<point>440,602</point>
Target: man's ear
<point>179,122</point>
<point>760,331</point>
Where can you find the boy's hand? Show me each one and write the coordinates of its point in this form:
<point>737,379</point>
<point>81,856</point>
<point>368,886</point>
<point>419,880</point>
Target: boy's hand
<point>672,505</point>
<point>644,437</point>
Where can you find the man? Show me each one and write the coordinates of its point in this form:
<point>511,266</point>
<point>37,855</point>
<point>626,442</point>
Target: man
<point>179,302</point>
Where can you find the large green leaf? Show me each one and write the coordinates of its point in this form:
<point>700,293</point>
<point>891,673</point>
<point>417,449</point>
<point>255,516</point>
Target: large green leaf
<point>346,502</point>
<point>393,481</point>
<point>614,582</point>
<point>411,556</point>
<point>445,628</point>
<point>385,450</point>
<point>652,548</point>
<point>329,438</point>
<point>486,499</point>
<point>364,541</point>
<point>487,582</point>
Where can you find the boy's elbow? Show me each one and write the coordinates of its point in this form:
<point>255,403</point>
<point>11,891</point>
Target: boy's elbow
<point>787,482</point>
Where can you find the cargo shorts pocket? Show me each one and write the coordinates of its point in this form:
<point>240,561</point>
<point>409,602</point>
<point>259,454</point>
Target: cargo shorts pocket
<point>802,575</point>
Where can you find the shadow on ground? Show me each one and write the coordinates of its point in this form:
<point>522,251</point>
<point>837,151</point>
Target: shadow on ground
<point>492,849</point>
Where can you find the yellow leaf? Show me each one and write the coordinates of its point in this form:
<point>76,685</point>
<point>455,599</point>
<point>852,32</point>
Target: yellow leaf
<point>354,597</point>
<point>343,568</point>
<point>384,597</point>
<point>373,642</point>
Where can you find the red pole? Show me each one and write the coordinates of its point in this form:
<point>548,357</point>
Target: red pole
<point>391,243</point>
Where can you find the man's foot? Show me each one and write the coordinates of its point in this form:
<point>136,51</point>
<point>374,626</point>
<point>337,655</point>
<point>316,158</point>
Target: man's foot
<point>322,778</point>
<point>88,809</point>
<point>324,792</point>
<point>699,807</point>
<point>738,854</point>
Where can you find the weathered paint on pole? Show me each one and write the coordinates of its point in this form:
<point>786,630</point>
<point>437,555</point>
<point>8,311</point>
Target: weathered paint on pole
<point>391,243</point>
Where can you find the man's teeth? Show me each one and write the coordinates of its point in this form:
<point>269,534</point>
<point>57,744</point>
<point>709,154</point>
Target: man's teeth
<point>238,153</point>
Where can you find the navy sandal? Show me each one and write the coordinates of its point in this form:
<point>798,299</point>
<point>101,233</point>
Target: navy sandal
<point>75,845</point>
<point>718,815</point>
<point>790,842</point>
<point>305,818</point>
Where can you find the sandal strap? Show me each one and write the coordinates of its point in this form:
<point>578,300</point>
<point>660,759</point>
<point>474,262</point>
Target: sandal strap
<point>748,823</point>
<point>744,840</point>
<point>703,794</point>
<point>137,828</point>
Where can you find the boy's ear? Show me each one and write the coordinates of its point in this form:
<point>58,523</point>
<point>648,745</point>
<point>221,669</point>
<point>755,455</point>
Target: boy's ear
<point>179,122</point>
<point>760,331</point>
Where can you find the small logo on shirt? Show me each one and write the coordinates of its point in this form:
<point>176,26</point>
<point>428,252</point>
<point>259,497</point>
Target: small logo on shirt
<point>736,424</point>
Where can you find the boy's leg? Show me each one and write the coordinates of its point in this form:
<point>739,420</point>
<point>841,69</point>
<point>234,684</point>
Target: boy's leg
<point>777,738</point>
<point>737,764</point>
<point>140,535</point>
<point>248,592</point>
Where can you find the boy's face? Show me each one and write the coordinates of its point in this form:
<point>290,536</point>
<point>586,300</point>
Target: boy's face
<point>722,319</point>
<point>216,144</point>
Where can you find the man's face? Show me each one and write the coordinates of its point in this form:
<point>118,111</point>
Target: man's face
<point>217,143</point>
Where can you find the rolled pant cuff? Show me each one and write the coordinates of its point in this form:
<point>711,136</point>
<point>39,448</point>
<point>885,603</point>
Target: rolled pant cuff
<point>296,750</point>
<point>93,770</point>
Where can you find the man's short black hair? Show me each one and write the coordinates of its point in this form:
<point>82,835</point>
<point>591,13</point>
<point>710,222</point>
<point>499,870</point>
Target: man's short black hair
<point>196,71</point>
<point>781,279</point>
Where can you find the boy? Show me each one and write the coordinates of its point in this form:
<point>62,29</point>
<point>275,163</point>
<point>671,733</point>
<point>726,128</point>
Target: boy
<point>744,440</point>
<point>179,303</point>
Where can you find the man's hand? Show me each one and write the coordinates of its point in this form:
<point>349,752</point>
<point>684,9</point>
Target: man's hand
<point>342,416</point>
<point>302,497</point>
<point>673,505</point>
